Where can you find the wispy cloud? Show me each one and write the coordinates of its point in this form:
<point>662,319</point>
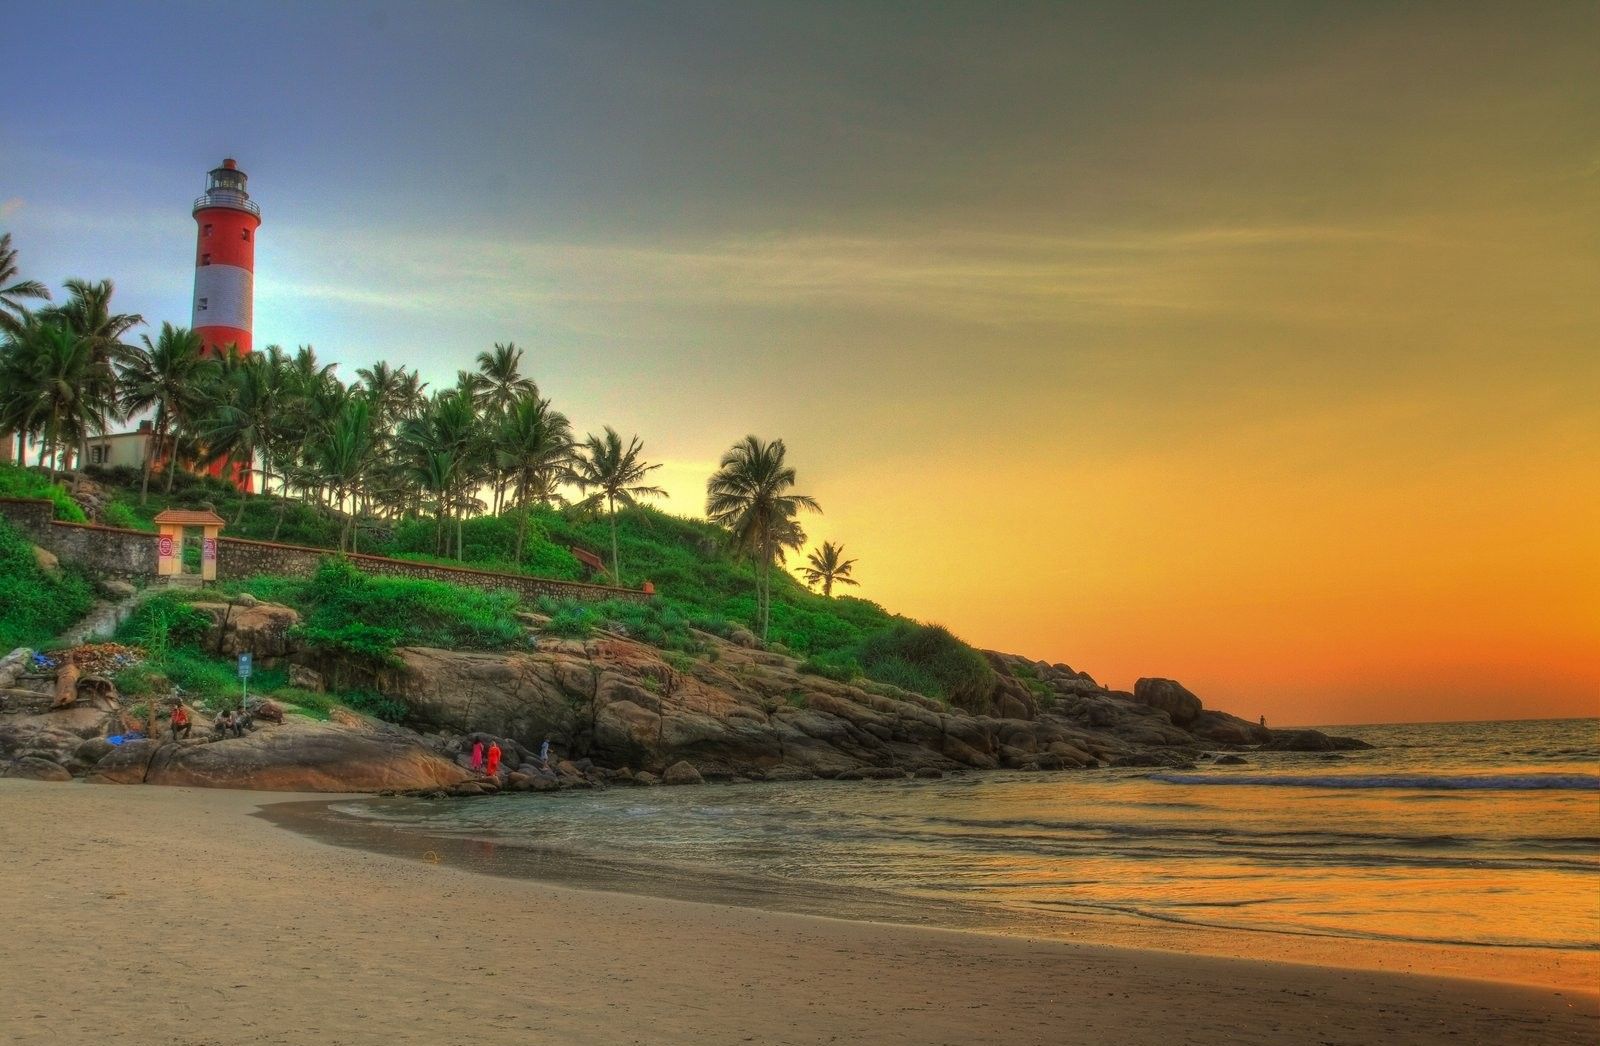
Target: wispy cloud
<point>981,277</point>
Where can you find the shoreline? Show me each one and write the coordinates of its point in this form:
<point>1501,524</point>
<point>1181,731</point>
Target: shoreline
<point>171,915</point>
<point>1522,965</point>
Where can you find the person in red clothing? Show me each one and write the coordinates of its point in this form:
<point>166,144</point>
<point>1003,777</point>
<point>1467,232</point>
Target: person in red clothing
<point>477,755</point>
<point>494,758</point>
<point>180,721</point>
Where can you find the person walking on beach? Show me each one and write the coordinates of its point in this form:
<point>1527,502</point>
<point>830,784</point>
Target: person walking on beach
<point>544,753</point>
<point>477,755</point>
<point>1263,720</point>
<point>180,721</point>
<point>494,758</point>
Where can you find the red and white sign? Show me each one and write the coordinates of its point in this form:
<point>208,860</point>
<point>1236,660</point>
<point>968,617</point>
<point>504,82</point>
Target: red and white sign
<point>165,546</point>
<point>211,548</point>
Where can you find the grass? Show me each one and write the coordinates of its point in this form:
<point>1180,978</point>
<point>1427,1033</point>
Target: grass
<point>18,482</point>
<point>35,606</point>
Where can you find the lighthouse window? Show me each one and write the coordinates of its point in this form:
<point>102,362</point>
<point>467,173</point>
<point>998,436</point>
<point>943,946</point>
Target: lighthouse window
<point>205,259</point>
<point>244,233</point>
<point>206,231</point>
<point>202,306</point>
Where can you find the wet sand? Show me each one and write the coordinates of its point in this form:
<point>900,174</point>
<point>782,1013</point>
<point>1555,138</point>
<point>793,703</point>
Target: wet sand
<point>172,916</point>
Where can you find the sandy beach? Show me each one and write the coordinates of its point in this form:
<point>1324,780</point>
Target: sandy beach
<point>173,916</point>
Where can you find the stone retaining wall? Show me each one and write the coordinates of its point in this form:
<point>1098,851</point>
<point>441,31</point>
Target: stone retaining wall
<point>105,550</point>
<point>111,550</point>
<point>241,558</point>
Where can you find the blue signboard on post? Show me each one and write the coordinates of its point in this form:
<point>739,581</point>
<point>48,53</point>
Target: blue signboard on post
<point>244,666</point>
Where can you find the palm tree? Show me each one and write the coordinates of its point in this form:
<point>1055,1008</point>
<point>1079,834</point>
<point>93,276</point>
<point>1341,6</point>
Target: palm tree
<point>749,494</point>
<point>87,313</point>
<point>344,457</point>
<point>532,446</point>
<point>58,364</point>
<point>501,374</point>
<point>12,311</point>
<point>442,448</point>
<point>173,376</point>
<point>245,420</point>
<point>828,566</point>
<point>615,473</point>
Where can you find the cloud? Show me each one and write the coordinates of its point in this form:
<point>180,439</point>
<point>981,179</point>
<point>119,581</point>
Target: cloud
<point>10,206</point>
<point>979,277</point>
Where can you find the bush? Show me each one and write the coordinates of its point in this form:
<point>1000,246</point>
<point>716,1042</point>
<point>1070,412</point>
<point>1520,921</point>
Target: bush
<point>572,620</point>
<point>930,661</point>
<point>116,514</point>
<point>162,622</point>
<point>839,672</point>
<point>367,617</point>
<point>389,709</point>
<point>35,606</point>
<point>18,482</point>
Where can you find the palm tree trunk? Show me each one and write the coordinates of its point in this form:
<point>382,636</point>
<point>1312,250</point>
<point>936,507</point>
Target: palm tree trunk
<point>149,460</point>
<point>616,559</point>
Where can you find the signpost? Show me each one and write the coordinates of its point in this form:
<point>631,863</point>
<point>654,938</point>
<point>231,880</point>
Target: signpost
<point>245,667</point>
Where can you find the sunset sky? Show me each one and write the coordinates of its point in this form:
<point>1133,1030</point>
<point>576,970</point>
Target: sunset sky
<point>1255,345</point>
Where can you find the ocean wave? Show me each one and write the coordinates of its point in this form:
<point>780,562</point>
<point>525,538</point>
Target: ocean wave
<point>1425,782</point>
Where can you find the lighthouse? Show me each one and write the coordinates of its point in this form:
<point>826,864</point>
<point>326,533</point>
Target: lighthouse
<point>225,260</point>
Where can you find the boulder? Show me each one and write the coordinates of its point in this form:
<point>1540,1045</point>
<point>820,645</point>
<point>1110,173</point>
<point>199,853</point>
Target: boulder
<point>1170,697</point>
<point>261,629</point>
<point>306,678</point>
<point>682,773</point>
<point>46,560</point>
<point>1310,741</point>
<point>299,756</point>
<point>743,637</point>
<point>35,768</point>
<point>1231,760</point>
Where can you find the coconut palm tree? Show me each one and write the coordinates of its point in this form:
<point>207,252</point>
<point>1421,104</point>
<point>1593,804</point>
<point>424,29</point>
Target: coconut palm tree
<point>56,365</point>
<point>13,290</point>
<point>344,458</point>
<point>245,420</point>
<point>615,473</point>
<point>532,446</point>
<point>501,372</point>
<point>827,566</point>
<point>751,495</point>
<point>87,314</point>
<point>443,448</point>
<point>172,376</point>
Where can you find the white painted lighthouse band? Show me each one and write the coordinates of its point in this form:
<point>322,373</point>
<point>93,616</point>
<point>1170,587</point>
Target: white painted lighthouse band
<point>225,260</point>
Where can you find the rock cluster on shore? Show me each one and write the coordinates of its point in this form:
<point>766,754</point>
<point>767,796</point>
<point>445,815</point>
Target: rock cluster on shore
<point>618,711</point>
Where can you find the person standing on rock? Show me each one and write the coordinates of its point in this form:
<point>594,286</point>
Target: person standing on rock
<point>544,754</point>
<point>494,758</point>
<point>180,721</point>
<point>477,756</point>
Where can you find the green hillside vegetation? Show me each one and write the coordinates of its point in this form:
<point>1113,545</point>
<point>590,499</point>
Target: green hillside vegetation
<point>482,472</point>
<point>16,482</point>
<point>35,606</point>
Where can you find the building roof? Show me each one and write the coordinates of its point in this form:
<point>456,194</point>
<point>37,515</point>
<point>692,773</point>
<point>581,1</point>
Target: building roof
<point>589,559</point>
<point>184,517</point>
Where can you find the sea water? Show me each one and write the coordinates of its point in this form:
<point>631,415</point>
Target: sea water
<point>1461,833</point>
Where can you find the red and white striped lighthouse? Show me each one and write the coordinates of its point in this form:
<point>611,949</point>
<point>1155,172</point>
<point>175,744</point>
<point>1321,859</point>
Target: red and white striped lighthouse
<point>225,260</point>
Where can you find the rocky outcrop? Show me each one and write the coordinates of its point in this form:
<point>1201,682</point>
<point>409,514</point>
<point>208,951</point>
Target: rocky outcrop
<point>246,625</point>
<point>744,712</point>
<point>299,756</point>
<point>1310,741</point>
<point>1169,696</point>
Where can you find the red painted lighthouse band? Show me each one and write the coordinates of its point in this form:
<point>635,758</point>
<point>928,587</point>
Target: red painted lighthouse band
<point>226,237</point>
